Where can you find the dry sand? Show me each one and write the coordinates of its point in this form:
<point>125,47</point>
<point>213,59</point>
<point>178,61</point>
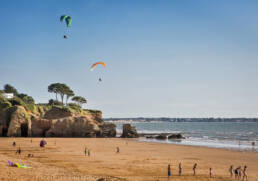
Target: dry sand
<point>136,160</point>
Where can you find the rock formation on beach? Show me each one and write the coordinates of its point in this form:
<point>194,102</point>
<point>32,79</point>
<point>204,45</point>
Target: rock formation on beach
<point>52,121</point>
<point>129,131</point>
<point>176,136</point>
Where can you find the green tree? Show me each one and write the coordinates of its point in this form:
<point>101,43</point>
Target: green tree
<point>53,88</point>
<point>79,100</point>
<point>69,93</point>
<point>62,90</point>
<point>27,99</point>
<point>10,89</point>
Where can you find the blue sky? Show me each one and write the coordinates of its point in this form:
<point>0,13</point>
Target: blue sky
<point>164,58</point>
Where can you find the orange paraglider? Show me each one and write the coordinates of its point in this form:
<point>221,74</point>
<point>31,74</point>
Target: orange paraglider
<point>97,63</point>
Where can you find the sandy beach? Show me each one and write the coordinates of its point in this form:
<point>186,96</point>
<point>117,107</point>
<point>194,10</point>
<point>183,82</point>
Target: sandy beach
<point>64,159</point>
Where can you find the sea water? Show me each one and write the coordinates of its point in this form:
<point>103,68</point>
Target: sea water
<point>231,135</point>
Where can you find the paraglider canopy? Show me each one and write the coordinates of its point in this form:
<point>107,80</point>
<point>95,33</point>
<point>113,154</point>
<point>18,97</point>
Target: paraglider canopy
<point>97,63</point>
<point>67,19</point>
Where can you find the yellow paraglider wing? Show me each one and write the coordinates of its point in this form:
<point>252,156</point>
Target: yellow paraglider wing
<point>97,63</point>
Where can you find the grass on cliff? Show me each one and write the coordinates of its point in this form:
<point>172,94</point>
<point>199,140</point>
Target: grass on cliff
<point>41,109</point>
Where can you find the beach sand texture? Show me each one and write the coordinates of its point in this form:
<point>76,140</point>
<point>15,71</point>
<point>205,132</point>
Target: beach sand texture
<point>136,160</point>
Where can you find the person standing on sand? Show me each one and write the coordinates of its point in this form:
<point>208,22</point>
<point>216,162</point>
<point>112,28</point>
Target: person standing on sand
<point>244,173</point>
<point>85,151</point>
<point>19,151</point>
<point>239,172</point>
<point>194,168</point>
<point>14,144</point>
<point>180,169</point>
<point>169,171</point>
<point>231,171</point>
<point>88,152</point>
<point>236,173</point>
<point>117,150</point>
<point>210,172</point>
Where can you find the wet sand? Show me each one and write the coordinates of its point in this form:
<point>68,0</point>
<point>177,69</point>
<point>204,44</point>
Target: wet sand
<point>65,160</point>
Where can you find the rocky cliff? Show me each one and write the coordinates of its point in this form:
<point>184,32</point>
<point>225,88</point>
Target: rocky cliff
<point>52,121</point>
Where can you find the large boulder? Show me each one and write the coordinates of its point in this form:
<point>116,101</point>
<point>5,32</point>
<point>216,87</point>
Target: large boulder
<point>176,136</point>
<point>20,123</point>
<point>107,130</point>
<point>129,131</point>
<point>161,137</point>
<point>73,127</point>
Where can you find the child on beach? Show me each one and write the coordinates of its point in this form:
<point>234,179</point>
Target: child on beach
<point>237,173</point>
<point>169,171</point>
<point>85,151</point>
<point>194,168</point>
<point>14,144</point>
<point>244,173</point>
<point>180,169</point>
<point>19,151</point>
<point>210,172</point>
<point>231,171</point>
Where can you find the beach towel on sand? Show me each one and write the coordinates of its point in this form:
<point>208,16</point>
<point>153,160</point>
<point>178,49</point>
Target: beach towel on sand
<point>18,165</point>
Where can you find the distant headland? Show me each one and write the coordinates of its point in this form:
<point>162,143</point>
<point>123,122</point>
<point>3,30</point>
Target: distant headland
<point>165,119</point>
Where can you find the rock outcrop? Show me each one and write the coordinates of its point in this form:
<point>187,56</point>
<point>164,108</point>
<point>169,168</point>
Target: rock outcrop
<point>107,130</point>
<point>57,113</point>
<point>73,127</point>
<point>129,131</point>
<point>161,137</point>
<point>53,122</point>
<point>176,136</point>
<point>20,123</point>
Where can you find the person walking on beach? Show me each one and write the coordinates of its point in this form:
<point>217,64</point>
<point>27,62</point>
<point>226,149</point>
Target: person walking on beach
<point>180,169</point>
<point>88,152</point>
<point>231,171</point>
<point>194,168</point>
<point>210,172</point>
<point>253,145</point>
<point>85,151</point>
<point>237,173</point>
<point>244,173</point>
<point>117,150</point>
<point>14,144</point>
<point>19,151</point>
<point>169,171</point>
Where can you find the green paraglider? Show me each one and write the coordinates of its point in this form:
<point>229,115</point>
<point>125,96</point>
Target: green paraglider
<point>67,19</point>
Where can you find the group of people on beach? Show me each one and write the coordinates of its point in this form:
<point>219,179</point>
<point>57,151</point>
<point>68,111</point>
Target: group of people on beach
<point>86,151</point>
<point>180,169</point>
<point>238,172</point>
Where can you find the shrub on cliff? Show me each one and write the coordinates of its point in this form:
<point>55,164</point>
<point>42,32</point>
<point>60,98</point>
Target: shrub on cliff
<point>75,107</point>
<point>27,99</point>
<point>10,89</point>
<point>54,102</point>
<point>17,101</point>
<point>5,105</point>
